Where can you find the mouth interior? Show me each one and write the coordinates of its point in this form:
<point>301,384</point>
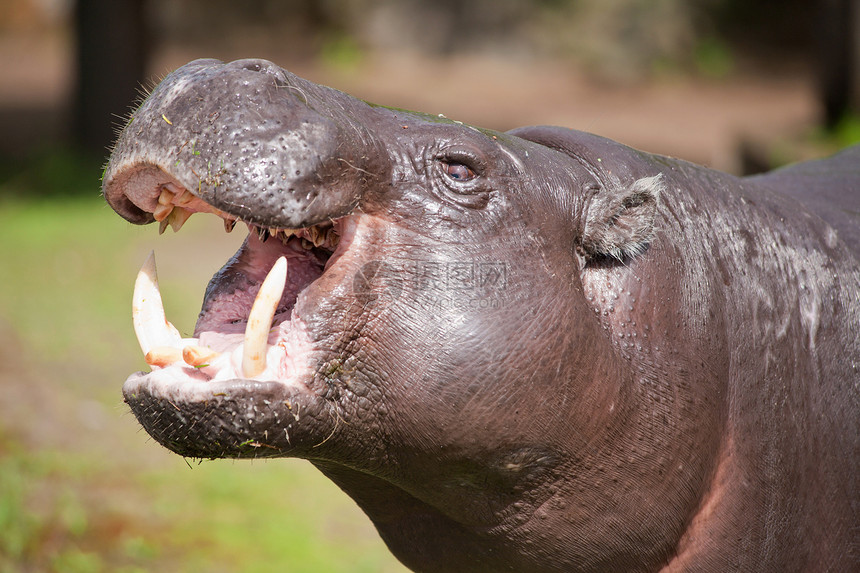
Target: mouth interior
<point>247,328</point>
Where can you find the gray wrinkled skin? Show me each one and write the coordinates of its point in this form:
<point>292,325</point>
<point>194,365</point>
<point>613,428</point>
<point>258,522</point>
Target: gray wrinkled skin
<point>578,357</point>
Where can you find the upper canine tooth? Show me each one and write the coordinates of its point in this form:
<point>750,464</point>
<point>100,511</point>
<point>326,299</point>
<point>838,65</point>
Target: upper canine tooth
<point>260,320</point>
<point>147,311</point>
<point>162,211</point>
<point>178,217</point>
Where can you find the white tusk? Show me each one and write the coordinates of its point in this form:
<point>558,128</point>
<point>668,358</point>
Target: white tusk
<point>260,320</point>
<point>147,311</point>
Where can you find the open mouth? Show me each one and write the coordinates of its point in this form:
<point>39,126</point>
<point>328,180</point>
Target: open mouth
<point>248,327</point>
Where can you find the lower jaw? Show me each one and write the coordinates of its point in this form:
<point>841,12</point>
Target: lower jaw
<point>229,419</point>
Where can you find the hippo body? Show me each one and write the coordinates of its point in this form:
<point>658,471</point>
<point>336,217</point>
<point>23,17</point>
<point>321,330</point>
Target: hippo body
<point>534,351</point>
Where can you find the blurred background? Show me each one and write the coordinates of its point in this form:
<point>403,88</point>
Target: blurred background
<point>740,86</point>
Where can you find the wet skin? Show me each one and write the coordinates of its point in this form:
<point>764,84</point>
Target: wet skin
<point>529,351</point>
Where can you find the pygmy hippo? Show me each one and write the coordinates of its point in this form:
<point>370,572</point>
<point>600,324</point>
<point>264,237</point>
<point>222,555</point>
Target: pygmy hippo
<point>532,351</point>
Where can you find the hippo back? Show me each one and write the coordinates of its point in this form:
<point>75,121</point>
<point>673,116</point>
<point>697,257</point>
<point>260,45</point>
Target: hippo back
<point>829,187</point>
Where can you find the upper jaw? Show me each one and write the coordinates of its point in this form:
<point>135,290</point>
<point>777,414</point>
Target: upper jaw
<point>245,134</point>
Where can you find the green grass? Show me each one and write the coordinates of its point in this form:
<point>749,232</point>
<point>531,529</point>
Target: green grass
<point>82,488</point>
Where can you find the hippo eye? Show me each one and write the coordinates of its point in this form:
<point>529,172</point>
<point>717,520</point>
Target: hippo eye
<point>462,178</point>
<point>458,171</point>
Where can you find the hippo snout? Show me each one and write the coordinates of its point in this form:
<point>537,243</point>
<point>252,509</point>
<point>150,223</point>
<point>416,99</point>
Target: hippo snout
<point>248,138</point>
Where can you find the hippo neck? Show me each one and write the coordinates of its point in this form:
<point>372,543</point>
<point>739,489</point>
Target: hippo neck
<point>600,410</point>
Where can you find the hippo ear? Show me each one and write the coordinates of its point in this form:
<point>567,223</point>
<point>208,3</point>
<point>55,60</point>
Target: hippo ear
<point>620,224</point>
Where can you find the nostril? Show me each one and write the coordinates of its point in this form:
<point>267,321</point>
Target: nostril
<point>262,67</point>
<point>259,66</point>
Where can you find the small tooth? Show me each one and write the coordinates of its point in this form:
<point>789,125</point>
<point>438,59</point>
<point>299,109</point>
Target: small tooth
<point>166,197</point>
<point>289,232</point>
<point>333,239</point>
<point>198,356</point>
<point>262,234</point>
<point>260,319</point>
<point>229,224</point>
<point>306,244</point>
<point>315,236</point>
<point>147,311</point>
<point>162,211</point>
<point>177,218</point>
<point>163,356</point>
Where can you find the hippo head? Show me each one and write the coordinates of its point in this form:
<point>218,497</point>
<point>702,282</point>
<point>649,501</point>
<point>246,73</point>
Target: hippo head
<point>400,313</point>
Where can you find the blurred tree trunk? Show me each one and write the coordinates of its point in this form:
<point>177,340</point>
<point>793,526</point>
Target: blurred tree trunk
<point>111,64</point>
<point>839,58</point>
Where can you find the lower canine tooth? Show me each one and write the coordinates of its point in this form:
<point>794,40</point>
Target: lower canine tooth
<point>147,311</point>
<point>260,320</point>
